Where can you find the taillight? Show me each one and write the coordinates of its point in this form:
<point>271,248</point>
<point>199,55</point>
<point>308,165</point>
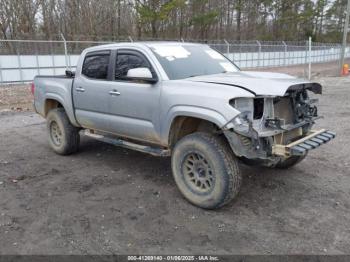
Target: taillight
<point>32,88</point>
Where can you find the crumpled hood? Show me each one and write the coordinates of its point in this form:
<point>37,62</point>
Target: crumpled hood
<point>260,83</point>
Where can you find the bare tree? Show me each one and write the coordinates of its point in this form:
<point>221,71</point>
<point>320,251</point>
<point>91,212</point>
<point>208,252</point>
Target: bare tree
<point>191,19</point>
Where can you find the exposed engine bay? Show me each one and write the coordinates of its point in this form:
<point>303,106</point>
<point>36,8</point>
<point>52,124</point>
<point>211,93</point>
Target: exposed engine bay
<point>267,125</point>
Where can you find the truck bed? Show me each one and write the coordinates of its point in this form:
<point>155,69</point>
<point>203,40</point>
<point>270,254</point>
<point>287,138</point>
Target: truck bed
<point>54,76</point>
<point>58,88</point>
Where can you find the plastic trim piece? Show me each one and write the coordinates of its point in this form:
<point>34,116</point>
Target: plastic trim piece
<point>301,146</point>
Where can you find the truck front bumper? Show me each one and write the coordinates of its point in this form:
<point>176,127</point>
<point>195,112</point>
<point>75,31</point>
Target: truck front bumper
<point>300,147</point>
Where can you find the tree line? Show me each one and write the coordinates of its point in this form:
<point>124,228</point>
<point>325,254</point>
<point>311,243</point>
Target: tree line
<point>290,20</point>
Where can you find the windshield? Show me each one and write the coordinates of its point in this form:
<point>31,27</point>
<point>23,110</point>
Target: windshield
<point>183,61</point>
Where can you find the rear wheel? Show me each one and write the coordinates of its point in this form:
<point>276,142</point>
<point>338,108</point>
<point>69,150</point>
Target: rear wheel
<point>63,136</point>
<point>291,161</point>
<point>205,170</point>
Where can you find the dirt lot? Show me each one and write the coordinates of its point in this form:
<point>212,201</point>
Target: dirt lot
<point>15,98</point>
<point>107,200</point>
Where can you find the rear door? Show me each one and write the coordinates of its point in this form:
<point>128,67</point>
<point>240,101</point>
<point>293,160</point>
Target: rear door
<point>134,106</point>
<point>91,91</point>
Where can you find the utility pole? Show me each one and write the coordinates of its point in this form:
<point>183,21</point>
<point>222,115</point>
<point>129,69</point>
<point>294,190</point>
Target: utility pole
<point>345,35</point>
<point>309,57</point>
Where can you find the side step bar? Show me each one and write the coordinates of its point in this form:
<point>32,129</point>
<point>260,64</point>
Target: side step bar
<point>301,146</point>
<point>129,145</point>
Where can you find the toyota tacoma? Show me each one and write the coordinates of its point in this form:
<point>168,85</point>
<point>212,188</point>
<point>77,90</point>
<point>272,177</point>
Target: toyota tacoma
<point>186,101</point>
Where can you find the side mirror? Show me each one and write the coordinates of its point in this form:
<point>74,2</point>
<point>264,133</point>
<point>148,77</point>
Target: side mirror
<point>70,73</point>
<point>142,74</point>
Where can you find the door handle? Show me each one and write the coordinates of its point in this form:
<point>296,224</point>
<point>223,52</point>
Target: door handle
<point>114,93</point>
<point>80,89</point>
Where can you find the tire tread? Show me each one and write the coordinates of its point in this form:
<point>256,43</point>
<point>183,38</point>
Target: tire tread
<point>235,176</point>
<point>230,164</point>
<point>290,162</point>
<point>72,132</point>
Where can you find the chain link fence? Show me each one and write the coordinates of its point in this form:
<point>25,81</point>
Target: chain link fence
<point>21,60</point>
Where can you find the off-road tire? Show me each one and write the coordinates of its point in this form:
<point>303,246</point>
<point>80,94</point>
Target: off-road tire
<point>68,142</point>
<point>221,162</point>
<point>290,162</point>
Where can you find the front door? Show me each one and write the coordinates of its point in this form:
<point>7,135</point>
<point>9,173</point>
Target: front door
<point>134,105</point>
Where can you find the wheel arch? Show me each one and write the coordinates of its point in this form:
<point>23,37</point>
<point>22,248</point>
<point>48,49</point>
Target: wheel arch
<point>50,104</point>
<point>53,101</point>
<point>183,123</point>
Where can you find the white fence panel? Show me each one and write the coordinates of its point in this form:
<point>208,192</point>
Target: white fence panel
<point>47,58</point>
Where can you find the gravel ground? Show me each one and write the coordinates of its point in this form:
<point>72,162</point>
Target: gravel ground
<point>106,199</point>
<point>15,98</point>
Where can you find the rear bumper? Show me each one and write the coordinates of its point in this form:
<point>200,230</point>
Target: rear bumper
<point>300,147</point>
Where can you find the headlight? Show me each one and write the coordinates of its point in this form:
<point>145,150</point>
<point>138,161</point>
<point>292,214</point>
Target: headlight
<point>241,123</point>
<point>242,119</point>
<point>245,106</point>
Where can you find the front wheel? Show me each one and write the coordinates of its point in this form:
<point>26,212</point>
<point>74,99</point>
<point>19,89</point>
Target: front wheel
<point>291,161</point>
<point>205,170</point>
<point>63,136</point>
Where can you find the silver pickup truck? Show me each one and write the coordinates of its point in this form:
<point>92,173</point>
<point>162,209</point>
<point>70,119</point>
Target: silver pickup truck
<point>186,101</point>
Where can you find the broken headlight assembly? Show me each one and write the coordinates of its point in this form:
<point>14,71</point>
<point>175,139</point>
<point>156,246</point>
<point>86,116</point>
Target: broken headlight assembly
<point>243,104</point>
<point>246,107</point>
<point>243,122</point>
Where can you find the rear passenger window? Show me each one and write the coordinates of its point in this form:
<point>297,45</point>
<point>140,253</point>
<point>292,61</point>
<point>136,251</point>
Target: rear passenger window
<point>96,66</point>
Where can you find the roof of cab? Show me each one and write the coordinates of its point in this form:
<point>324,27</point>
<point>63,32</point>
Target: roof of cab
<point>139,44</point>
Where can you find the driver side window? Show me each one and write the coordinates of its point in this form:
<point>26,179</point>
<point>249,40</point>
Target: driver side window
<point>126,61</point>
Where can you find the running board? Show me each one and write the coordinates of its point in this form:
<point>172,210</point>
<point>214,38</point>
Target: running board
<point>155,151</point>
<point>300,147</point>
